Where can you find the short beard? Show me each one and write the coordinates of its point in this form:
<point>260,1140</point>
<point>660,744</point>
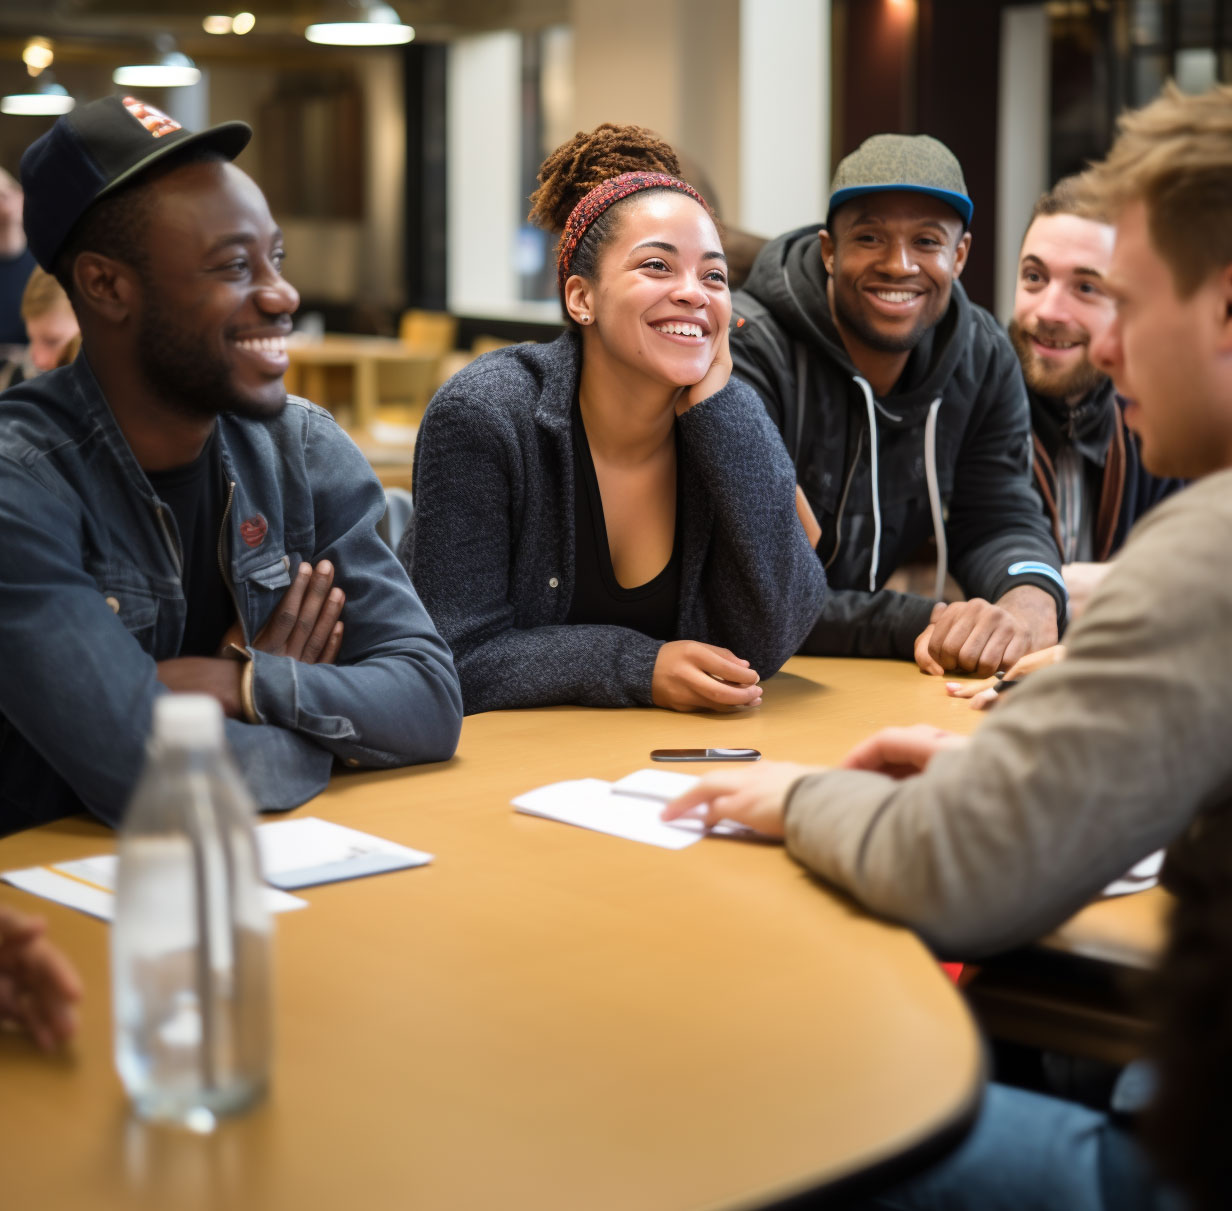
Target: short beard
<point>1072,384</point>
<point>185,378</point>
<point>870,337</point>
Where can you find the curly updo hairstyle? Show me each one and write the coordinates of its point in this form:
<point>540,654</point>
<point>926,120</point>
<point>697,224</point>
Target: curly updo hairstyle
<point>589,159</point>
<point>578,166</point>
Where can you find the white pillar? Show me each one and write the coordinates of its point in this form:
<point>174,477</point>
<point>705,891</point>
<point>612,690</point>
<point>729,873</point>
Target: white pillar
<point>190,106</point>
<point>380,277</point>
<point>1022,137</point>
<point>671,65</point>
<point>482,195</point>
<point>784,113</point>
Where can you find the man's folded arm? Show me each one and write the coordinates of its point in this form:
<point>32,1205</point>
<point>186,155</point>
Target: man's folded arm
<point>884,624</point>
<point>393,696</point>
<point>79,688</point>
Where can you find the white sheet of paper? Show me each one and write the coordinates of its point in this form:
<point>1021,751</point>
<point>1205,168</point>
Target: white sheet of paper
<point>88,885</point>
<point>658,784</point>
<point>309,851</point>
<point>662,786</point>
<point>590,803</point>
<point>1141,875</point>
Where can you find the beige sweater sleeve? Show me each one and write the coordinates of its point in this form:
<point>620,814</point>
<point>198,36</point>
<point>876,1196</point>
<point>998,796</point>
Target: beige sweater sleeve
<point>1082,770</point>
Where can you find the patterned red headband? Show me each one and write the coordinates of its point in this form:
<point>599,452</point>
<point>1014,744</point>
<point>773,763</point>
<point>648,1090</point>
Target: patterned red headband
<point>599,199</point>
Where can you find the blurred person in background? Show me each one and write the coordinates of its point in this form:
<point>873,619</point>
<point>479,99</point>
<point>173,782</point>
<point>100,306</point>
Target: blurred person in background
<point>16,261</point>
<point>16,265</point>
<point>51,324</point>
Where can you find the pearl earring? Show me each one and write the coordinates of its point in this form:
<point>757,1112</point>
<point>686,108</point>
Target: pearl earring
<point>585,319</point>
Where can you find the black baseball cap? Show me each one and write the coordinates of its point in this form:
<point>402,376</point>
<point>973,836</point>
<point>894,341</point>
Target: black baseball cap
<point>95,149</point>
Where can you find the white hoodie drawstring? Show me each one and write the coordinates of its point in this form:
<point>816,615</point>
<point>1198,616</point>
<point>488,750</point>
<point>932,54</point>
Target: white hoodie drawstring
<point>870,408</point>
<point>934,490</point>
<point>934,496</point>
<point>801,378</point>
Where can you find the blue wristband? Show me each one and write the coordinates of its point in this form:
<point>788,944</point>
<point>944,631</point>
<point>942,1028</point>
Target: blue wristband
<point>1040,569</point>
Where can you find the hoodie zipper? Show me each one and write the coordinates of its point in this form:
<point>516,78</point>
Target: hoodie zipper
<point>842,502</point>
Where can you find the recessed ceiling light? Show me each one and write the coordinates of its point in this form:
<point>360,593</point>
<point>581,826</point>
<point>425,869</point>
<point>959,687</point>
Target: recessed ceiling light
<point>171,70</point>
<point>48,97</point>
<point>370,25</point>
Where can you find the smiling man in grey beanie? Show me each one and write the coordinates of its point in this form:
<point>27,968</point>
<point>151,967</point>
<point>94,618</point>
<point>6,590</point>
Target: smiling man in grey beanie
<point>903,408</point>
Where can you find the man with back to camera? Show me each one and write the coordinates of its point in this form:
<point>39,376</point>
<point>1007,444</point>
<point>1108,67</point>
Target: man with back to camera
<point>981,844</point>
<point>169,519</point>
<point>902,406</point>
<point>1088,468</point>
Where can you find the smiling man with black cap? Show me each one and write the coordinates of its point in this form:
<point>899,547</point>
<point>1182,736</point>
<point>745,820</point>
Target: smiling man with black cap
<point>169,518</point>
<point>903,408</point>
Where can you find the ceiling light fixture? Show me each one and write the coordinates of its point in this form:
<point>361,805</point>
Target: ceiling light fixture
<point>367,24</point>
<point>216,24</point>
<point>48,97</point>
<point>171,69</point>
<point>242,23</point>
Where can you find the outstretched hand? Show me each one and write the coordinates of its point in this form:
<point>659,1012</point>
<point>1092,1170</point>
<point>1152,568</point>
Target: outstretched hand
<point>39,988</point>
<point>900,752</point>
<point>983,693</point>
<point>755,796</point>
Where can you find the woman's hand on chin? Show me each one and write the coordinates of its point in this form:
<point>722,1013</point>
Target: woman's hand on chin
<point>692,676</point>
<point>715,379</point>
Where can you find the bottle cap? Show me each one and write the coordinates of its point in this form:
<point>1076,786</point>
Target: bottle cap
<point>189,720</point>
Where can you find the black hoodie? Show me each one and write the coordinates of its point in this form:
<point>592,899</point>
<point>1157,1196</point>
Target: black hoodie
<point>992,534</point>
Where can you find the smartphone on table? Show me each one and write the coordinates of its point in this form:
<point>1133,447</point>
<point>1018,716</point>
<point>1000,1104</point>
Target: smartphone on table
<point>705,754</point>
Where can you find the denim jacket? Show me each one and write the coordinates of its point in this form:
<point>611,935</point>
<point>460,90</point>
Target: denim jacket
<point>91,598</point>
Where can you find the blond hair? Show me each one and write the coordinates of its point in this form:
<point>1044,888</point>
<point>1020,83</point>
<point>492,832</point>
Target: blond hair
<point>43,295</point>
<point>1175,156</point>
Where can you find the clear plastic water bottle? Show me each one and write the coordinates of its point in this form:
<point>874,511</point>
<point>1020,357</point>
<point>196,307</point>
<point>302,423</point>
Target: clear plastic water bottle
<point>190,945</point>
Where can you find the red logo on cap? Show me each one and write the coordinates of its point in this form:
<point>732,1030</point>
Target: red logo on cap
<point>252,531</point>
<point>154,120</point>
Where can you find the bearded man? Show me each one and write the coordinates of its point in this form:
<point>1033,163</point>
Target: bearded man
<point>1088,469</point>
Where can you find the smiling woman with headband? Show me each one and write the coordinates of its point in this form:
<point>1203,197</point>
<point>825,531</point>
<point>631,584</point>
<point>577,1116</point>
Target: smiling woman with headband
<point>606,519</point>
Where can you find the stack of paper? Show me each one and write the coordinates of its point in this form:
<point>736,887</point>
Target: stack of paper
<point>294,853</point>
<point>88,885</point>
<point>629,808</point>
